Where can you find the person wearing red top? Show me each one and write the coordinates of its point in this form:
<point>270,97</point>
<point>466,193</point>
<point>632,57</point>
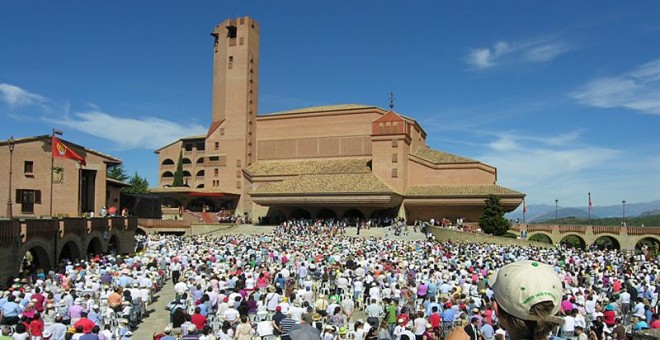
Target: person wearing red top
<point>36,327</point>
<point>198,319</point>
<point>435,318</point>
<point>39,305</point>
<point>656,321</point>
<point>609,316</point>
<point>85,323</point>
<point>404,316</point>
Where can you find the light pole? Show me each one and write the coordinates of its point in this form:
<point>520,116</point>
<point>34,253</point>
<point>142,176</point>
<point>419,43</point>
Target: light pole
<point>623,204</point>
<point>11,145</point>
<point>556,209</point>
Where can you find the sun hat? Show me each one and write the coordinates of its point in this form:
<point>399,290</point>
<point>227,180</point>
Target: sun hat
<point>317,317</point>
<point>520,285</point>
<point>343,330</point>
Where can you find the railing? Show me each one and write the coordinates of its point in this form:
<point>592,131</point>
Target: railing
<point>607,230</point>
<point>41,228</point>
<point>99,224</point>
<point>643,230</point>
<point>154,223</point>
<point>76,226</point>
<point>563,229</point>
<point>540,227</point>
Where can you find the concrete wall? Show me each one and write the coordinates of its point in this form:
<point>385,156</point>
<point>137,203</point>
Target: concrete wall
<point>442,235</point>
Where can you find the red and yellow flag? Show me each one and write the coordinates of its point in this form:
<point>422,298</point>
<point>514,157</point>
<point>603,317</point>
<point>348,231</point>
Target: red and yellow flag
<point>60,150</point>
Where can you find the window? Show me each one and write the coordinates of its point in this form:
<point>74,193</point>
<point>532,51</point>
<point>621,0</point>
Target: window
<point>238,184</point>
<point>230,63</point>
<point>239,174</point>
<point>381,128</point>
<point>222,131</point>
<point>232,31</point>
<point>395,143</point>
<point>395,173</point>
<point>238,163</point>
<point>27,199</point>
<point>395,158</point>
<point>28,167</point>
<point>216,172</point>
<point>217,145</point>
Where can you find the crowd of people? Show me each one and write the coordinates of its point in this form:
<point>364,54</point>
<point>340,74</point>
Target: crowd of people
<point>311,281</point>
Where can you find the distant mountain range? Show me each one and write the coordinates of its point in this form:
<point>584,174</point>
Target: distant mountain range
<point>546,212</point>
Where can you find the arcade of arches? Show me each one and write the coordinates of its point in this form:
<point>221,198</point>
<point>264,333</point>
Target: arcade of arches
<point>625,238</point>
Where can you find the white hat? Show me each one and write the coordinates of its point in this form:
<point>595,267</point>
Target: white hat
<point>520,285</point>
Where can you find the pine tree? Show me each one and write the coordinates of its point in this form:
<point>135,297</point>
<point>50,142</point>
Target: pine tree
<point>492,221</point>
<point>139,185</point>
<point>117,172</point>
<point>178,174</point>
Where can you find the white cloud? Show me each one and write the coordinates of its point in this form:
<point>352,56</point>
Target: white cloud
<point>130,133</point>
<point>637,90</point>
<point>535,51</point>
<point>15,96</point>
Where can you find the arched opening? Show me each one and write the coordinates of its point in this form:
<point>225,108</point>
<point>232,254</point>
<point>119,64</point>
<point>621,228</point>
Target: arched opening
<point>353,214</point>
<point>169,202</point>
<point>648,244</point>
<point>113,244</point>
<point>200,186</point>
<point>95,247</point>
<point>201,204</point>
<point>384,213</point>
<point>326,214</point>
<point>35,260</point>
<point>200,160</point>
<point>199,174</point>
<point>140,232</point>
<point>301,214</point>
<point>273,216</point>
<point>167,174</point>
<point>186,161</point>
<point>607,242</point>
<point>167,161</point>
<point>541,238</point>
<point>186,173</point>
<point>573,241</point>
<point>69,252</point>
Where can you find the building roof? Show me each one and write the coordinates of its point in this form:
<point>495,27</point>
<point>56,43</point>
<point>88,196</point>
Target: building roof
<point>460,191</point>
<point>307,167</point>
<point>117,183</point>
<point>440,157</point>
<point>68,143</point>
<point>327,184</point>
<point>182,139</point>
<point>314,109</point>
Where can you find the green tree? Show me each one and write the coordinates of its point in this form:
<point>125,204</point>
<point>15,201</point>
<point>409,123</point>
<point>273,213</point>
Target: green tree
<point>493,221</point>
<point>178,174</point>
<point>139,185</point>
<point>117,172</point>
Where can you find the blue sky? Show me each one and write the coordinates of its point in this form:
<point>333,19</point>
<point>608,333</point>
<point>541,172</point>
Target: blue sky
<point>563,97</point>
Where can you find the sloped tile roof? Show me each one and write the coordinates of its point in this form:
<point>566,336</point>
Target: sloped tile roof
<point>439,157</point>
<point>322,109</point>
<point>298,167</point>
<point>460,190</point>
<point>327,184</point>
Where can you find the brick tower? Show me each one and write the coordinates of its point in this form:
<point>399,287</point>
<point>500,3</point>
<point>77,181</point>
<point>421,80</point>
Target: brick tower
<point>232,136</point>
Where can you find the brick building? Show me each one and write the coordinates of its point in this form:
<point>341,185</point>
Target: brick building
<point>76,188</point>
<point>332,161</point>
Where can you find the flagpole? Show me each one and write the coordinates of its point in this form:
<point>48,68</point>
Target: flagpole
<point>524,210</point>
<point>589,208</point>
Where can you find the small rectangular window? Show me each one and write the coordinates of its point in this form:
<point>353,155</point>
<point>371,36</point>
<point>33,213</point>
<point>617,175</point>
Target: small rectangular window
<point>217,145</point>
<point>216,172</point>
<point>241,41</point>
<point>222,131</point>
<point>395,173</point>
<point>239,174</point>
<point>238,184</point>
<point>28,167</point>
<point>395,143</point>
<point>230,63</point>
<point>238,163</point>
<point>395,158</point>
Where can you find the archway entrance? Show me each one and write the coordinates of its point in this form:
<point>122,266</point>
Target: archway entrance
<point>573,241</point>
<point>301,214</point>
<point>113,245</point>
<point>35,260</point>
<point>353,214</point>
<point>541,238</point>
<point>95,247</point>
<point>326,214</point>
<point>648,244</point>
<point>69,252</point>
<point>607,242</point>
